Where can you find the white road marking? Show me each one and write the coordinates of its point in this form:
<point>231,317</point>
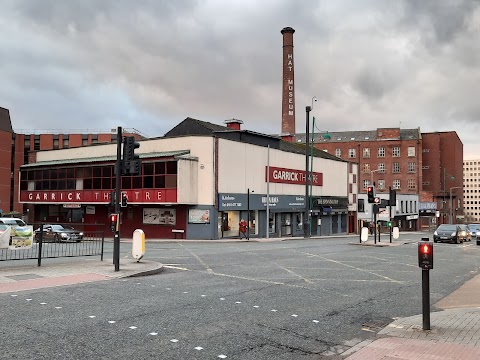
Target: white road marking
<point>13,295</point>
<point>185,292</point>
<point>176,267</point>
<point>356,268</point>
<point>198,348</point>
<point>58,307</point>
<point>111,321</point>
<point>28,299</point>
<point>238,302</point>
<point>168,288</point>
<point>174,340</point>
<point>294,315</point>
<point>132,327</point>
<point>315,321</point>
<point>198,258</point>
<point>222,356</point>
<point>92,316</point>
<point>365,329</point>
<point>273,310</point>
<point>153,333</point>
<point>222,298</point>
<point>43,303</point>
<point>203,295</point>
<point>256,306</point>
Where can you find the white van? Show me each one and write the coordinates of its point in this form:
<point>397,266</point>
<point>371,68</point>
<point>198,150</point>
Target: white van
<point>12,221</point>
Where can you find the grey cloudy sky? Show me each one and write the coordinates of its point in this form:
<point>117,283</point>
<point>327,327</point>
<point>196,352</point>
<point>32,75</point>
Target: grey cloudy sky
<point>148,64</point>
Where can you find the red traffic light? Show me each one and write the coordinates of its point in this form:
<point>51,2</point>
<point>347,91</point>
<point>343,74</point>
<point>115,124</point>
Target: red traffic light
<point>113,218</point>
<point>425,255</point>
<point>425,249</point>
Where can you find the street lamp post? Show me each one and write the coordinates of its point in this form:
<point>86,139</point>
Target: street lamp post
<point>248,214</point>
<point>451,202</point>
<point>306,228</point>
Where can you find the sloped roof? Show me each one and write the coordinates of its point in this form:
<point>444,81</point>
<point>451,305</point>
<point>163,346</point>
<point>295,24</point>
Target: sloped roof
<point>191,126</point>
<point>348,136</point>
<point>105,158</point>
<point>299,148</point>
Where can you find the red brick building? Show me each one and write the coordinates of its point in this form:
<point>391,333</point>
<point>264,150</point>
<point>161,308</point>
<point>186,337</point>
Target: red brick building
<point>17,149</point>
<point>418,165</point>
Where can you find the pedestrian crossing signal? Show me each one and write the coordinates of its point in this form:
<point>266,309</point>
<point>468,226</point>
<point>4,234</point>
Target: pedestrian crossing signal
<point>425,255</point>
<point>114,222</point>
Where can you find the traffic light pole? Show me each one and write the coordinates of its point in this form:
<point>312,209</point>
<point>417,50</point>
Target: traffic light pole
<point>118,179</point>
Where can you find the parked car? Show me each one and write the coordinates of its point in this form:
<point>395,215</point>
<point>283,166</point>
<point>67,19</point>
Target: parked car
<point>59,233</point>
<point>474,228</point>
<point>449,233</point>
<point>12,221</point>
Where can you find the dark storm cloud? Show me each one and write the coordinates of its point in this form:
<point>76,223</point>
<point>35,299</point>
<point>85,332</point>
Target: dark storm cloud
<point>152,63</point>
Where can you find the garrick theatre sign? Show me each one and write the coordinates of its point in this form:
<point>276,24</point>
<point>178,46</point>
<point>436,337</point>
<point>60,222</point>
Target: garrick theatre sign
<point>98,196</point>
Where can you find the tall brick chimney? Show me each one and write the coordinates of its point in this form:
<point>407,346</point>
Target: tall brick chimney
<point>288,90</point>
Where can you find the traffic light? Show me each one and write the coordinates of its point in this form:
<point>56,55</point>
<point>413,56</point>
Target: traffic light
<point>131,163</point>
<point>124,200</point>
<point>113,198</point>
<point>392,201</point>
<point>371,194</point>
<point>389,223</point>
<point>114,222</point>
<point>425,255</point>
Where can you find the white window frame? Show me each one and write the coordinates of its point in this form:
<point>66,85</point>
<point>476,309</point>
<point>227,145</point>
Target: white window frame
<point>381,152</point>
<point>396,168</point>
<point>411,151</point>
<point>366,153</point>
<point>352,154</point>
<point>411,184</point>
<point>381,185</point>
<point>338,152</point>
<point>396,184</point>
<point>381,167</point>
<point>412,167</point>
<point>366,183</point>
<point>396,151</point>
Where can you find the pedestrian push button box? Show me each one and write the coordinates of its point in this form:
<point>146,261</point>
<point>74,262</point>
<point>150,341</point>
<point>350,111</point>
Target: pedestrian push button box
<point>425,255</point>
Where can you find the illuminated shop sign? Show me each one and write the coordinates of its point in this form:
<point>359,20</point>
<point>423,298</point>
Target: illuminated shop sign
<point>291,176</point>
<point>98,196</point>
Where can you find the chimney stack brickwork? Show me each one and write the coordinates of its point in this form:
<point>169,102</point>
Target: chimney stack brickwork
<point>288,89</point>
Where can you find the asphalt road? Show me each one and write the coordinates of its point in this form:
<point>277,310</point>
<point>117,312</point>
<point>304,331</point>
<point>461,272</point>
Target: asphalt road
<point>296,299</point>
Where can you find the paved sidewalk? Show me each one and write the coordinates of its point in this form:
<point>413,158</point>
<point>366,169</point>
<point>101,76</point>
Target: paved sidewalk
<point>68,271</point>
<point>454,334</point>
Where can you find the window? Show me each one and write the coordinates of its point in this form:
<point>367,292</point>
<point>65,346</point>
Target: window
<point>366,153</point>
<point>396,184</point>
<point>366,168</point>
<point>352,153</point>
<point>381,152</point>
<point>338,152</point>
<point>411,151</point>
<point>396,151</point>
<point>412,167</point>
<point>366,183</point>
<point>381,185</point>
<point>381,167</point>
<point>411,184</point>
<point>361,205</point>
<point>396,168</point>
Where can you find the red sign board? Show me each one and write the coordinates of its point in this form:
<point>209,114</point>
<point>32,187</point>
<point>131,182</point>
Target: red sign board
<point>291,176</point>
<point>98,196</point>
